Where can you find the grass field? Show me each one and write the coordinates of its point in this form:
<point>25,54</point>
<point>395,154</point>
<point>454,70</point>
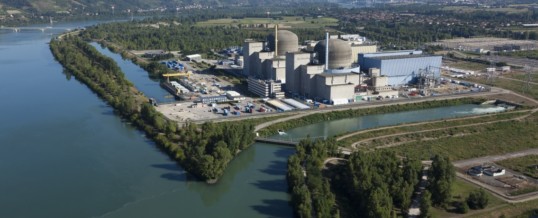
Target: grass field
<point>519,210</point>
<point>467,65</point>
<point>517,86</point>
<point>460,191</point>
<point>491,139</point>
<point>426,126</point>
<point>288,21</point>
<point>527,165</point>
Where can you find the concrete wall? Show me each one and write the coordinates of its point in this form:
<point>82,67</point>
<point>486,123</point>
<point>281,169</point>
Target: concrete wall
<point>364,49</point>
<point>293,71</point>
<point>308,82</point>
<point>248,50</point>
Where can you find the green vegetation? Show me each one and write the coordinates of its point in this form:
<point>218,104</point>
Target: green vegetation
<point>426,126</point>
<point>527,165</point>
<point>491,139</point>
<point>461,64</point>
<point>519,210</point>
<point>440,180</point>
<point>374,184</point>
<point>426,205</point>
<point>460,191</point>
<point>517,86</point>
<point>478,199</point>
<point>531,54</point>
<point>181,34</point>
<point>285,21</point>
<point>202,150</point>
<point>311,195</point>
<point>334,115</point>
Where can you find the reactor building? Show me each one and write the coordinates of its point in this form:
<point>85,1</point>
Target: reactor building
<point>330,70</point>
<point>265,63</point>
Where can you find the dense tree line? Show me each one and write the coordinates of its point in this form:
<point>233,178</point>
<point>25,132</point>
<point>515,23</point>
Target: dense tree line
<point>203,150</point>
<point>440,178</point>
<point>311,194</point>
<point>182,35</point>
<point>378,183</point>
<point>373,184</point>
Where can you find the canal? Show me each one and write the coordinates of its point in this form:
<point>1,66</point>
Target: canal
<point>64,153</point>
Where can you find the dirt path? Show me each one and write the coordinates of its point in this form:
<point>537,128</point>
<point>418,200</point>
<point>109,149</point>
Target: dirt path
<point>494,158</point>
<point>354,145</point>
<point>417,124</point>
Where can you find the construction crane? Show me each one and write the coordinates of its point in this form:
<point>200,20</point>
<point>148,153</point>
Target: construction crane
<point>168,75</point>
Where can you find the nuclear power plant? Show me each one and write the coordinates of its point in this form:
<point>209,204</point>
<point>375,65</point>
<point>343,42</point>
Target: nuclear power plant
<point>329,70</point>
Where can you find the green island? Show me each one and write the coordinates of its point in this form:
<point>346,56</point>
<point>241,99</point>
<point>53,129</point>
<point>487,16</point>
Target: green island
<point>204,150</point>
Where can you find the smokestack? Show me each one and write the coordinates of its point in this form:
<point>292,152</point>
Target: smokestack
<point>327,51</point>
<point>276,40</point>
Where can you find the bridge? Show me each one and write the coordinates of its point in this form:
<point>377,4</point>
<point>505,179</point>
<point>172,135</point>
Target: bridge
<point>292,142</point>
<point>42,29</point>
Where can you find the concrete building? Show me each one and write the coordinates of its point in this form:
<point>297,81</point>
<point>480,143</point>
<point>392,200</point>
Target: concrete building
<point>265,88</point>
<point>249,48</point>
<point>401,67</point>
<point>337,88</point>
<point>361,49</point>
<point>213,99</point>
<point>234,96</point>
<point>294,61</point>
<point>194,57</point>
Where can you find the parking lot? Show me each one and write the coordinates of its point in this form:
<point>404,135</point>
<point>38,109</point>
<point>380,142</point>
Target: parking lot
<point>190,111</point>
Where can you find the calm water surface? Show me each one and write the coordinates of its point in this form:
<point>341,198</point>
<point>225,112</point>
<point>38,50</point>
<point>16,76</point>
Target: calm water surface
<point>64,153</point>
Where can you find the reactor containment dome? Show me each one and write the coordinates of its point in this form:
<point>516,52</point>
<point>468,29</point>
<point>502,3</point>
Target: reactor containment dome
<point>339,53</point>
<point>287,42</point>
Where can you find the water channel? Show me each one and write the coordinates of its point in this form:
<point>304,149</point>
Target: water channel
<point>64,153</point>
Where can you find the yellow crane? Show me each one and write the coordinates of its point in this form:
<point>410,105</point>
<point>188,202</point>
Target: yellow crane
<point>168,75</point>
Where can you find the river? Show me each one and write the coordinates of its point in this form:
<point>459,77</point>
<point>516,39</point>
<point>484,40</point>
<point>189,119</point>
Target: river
<point>64,153</point>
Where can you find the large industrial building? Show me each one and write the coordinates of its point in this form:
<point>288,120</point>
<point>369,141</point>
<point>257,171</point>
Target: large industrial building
<point>330,70</point>
<point>265,63</point>
<point>401,67</point>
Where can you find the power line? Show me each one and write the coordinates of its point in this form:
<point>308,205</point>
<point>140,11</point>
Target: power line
<point>528,79</point>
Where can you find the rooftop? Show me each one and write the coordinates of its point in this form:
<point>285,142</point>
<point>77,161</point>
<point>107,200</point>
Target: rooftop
<point>394,57</point>
<point>336,74</point>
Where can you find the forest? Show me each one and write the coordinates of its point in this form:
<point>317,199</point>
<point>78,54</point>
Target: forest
<point>367,184</point>
<point>182,35</point>
<point>204,150</point>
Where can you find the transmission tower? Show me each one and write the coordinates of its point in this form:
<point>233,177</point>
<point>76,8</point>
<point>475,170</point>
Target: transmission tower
<point>528,79</point>
<point>491,71</point>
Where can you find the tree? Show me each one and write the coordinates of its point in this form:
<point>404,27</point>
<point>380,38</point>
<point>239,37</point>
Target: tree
<point>478,199</point>
<point>461,207</point>
<point>425,205</point>
<point>380,204</point>
<point>441,176</point>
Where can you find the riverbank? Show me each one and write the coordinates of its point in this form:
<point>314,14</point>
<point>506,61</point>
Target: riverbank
<point>306,119</point>
<point>203,150</point>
